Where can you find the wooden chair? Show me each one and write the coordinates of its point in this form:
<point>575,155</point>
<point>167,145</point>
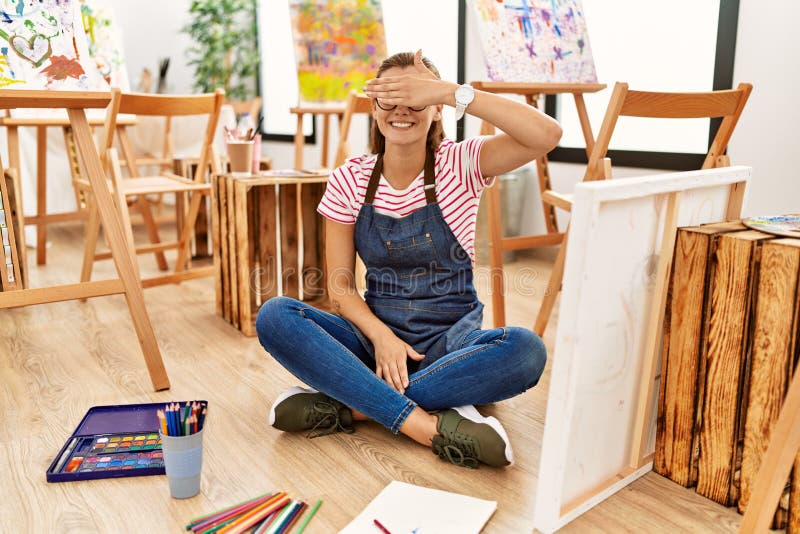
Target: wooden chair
<point>356,103</point>
<point>136,188</point>
<point>253,107</point>
<point>727,104</point>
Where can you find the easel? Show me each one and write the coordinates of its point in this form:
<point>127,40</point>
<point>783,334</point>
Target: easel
<point>498,243</point>
<point>119,238</point>
<point>299,138</point>
<point>42,219</point>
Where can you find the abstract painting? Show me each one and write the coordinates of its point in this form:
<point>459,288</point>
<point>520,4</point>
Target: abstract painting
<point>535,41</point>
<point>338,46</point>
<point>43,46</point>
<point>105,42</point>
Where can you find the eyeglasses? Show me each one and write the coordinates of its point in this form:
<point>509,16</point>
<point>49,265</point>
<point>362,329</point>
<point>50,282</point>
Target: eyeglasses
<point>384,107</point>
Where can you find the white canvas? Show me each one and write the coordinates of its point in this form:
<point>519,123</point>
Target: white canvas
<point>609,278</point>
<point>534,41</point>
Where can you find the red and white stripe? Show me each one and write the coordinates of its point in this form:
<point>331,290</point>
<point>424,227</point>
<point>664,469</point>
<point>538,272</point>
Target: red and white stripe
<point>458,189</point>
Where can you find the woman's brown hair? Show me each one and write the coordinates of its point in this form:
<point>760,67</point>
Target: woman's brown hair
<point>377,142</point>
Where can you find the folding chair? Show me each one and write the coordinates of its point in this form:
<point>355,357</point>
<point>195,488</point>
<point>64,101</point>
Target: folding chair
<point>136,188</point>
<point>727,104</point>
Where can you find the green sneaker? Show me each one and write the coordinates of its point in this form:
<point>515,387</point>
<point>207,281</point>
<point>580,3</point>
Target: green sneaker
<point>466,437</point>
<point>299,409</point>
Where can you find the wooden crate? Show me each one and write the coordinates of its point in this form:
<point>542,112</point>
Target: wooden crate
<point>730,347</point>
<point>201,246</point>
<point>260,223</point>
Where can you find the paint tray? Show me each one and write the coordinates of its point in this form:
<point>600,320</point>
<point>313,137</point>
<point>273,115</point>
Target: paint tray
<point>111,442</point>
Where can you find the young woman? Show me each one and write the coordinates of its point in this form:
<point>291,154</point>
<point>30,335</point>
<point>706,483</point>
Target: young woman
<point>410,354</point>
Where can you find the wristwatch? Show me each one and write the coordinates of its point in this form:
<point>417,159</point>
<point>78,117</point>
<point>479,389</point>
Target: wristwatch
<point>464,96</point>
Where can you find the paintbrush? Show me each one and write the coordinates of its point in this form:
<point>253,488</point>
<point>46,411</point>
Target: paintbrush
<point>163,65</point>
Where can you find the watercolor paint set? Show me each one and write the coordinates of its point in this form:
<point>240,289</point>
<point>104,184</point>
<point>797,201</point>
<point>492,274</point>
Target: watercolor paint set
<point>110,442</point>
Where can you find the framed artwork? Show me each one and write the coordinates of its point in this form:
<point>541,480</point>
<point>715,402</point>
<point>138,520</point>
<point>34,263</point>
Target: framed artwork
<point>534,41</point>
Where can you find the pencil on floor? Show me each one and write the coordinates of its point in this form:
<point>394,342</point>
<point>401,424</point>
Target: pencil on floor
<point>261,528</point>
<point>294,518</point>
<point>310,515</point>
<point>202,518</point>
<point>227,516</point>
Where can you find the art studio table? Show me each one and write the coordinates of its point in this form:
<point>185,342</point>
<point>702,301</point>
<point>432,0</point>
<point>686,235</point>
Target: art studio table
<point>299,138</point>
<point>42,218</point>
<point>497,243</point>
<point>268,241</point>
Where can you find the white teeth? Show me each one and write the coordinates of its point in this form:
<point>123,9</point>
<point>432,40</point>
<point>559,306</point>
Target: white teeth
<point>402,124</point>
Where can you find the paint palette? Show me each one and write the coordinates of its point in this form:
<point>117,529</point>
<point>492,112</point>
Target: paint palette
<point>111,441</point>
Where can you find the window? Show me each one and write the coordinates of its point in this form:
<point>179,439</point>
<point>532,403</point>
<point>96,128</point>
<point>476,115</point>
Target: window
<point>679,46</point>
<point>434,26</point>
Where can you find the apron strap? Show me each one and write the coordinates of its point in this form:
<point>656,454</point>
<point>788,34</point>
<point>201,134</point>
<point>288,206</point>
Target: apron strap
<point>430,179</point>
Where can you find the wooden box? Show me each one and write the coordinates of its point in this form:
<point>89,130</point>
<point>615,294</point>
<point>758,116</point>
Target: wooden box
<point>730,345</point>
<point>201,243</point>
<point>266,233</point>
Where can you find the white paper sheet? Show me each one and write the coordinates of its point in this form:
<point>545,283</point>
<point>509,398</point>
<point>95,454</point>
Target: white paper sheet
<point>405,509</point>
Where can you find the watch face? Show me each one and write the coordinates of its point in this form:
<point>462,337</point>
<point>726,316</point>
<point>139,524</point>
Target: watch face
<point>464,94</point>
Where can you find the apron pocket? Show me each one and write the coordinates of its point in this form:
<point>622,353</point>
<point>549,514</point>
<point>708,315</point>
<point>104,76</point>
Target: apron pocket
<point>414,256</point>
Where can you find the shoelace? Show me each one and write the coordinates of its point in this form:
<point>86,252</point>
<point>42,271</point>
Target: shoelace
<point>326,412</point>
<point>461,454</point>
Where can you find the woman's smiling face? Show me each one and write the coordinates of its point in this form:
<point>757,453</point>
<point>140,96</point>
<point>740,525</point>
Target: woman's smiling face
<point>402,125</point>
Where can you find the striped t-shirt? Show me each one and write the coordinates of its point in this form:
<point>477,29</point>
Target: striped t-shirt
<point>458,189</point>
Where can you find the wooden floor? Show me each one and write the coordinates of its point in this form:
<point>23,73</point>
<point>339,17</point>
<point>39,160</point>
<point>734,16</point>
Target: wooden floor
<point>58,360</point>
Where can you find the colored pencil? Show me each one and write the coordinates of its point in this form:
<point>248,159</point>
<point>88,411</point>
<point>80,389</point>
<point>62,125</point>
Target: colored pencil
<point>293,518</point>
<point>381,527</point>
<point>305,522</point>
<point>260,529</point>
<point>234,513</point>
<point>276,525</point>
<point>202,518</point>
<point>254,516</point>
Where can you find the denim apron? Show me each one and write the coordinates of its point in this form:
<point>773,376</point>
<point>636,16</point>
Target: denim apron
<point>419,278</point>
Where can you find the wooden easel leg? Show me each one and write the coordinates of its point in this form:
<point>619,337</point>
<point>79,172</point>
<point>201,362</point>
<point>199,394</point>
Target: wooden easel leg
<point>90,246</point>
<point>784,443</point>
<point>41,194</point>
<point>496,273</point>
<point>553,287</point>
<point>115,235</point>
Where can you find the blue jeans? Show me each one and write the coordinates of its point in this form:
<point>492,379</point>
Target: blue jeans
<point>322,350</point>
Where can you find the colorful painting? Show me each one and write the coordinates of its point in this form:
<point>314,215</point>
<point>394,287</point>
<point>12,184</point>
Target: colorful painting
<point>105,42</point>
<point>338,46</point>
<point>535,41</point>
<point>43,46</point>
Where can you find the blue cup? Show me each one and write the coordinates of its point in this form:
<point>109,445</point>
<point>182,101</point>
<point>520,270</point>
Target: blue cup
<point>183,461</point>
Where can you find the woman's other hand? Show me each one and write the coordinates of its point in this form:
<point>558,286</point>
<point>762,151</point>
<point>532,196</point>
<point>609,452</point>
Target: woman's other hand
<point>390,360</point>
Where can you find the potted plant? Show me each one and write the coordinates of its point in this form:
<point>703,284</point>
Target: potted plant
<point>225,46</point>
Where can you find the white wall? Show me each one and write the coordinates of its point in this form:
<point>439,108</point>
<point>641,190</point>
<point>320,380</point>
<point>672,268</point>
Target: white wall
<point>765,137</point>
<point>151,31</point>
